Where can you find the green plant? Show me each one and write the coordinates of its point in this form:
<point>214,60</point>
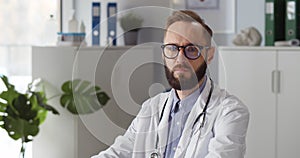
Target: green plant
<point>81,97</point>
<point>22,114</point>
<point>130,21</point>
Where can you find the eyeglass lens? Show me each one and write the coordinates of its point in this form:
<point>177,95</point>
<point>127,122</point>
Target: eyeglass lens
<point>190,51</point>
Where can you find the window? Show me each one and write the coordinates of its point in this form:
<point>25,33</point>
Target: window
<point>23,24</point>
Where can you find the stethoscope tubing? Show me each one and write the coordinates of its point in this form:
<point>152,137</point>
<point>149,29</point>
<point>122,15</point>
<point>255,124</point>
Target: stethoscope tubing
<point>156,154</point>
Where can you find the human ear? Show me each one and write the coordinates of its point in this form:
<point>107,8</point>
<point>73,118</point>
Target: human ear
<point>210,54</point>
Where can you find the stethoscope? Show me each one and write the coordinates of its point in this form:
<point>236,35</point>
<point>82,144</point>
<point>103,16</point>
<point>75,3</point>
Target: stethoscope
<point>156,154</point>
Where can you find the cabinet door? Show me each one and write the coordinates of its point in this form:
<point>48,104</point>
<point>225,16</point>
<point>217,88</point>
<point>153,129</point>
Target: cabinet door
<point>247,75</point>
<point>54,66</point>
<point>289,104</point>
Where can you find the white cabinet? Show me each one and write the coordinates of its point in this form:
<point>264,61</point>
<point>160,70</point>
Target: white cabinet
<point>289,104</point>
<point>125,73</point>
<point>266,79</point>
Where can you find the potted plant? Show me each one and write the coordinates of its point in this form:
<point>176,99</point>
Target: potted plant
<point>130,23</point>
<point>22,114</point>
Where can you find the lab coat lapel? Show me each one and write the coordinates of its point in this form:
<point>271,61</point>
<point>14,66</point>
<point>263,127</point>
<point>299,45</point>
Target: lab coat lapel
<point>188,131</point>
<point>163,125</point>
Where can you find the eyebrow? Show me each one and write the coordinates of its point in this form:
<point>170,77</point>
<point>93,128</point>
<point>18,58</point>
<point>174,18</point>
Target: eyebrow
<point>181,45</point>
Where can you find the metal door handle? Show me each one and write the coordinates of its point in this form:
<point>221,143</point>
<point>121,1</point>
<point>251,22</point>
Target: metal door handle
<point>276,81</point>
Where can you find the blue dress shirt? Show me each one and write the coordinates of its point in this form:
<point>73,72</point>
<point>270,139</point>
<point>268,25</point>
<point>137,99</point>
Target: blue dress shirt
<point>178,115</point>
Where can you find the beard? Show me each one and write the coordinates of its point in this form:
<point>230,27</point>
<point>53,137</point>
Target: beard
<point>183,83</point>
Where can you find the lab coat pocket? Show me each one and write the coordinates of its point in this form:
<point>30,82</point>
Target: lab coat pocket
<point>198,146</point>
<point>190,152</point>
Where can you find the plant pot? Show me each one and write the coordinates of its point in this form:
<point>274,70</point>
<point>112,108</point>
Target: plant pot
<point>150,34</point>
<point>130,37</point>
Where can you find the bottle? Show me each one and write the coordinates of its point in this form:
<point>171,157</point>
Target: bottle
<point>73,24</point>
<point>82,30</point>
<point>82,27</point>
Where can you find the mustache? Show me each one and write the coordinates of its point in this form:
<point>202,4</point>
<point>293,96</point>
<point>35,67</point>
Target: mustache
<point>182,66</point>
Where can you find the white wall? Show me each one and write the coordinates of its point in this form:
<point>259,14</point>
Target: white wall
<point>251,13</point>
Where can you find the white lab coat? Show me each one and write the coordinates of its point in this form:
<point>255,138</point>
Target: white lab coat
<point>223,134</point>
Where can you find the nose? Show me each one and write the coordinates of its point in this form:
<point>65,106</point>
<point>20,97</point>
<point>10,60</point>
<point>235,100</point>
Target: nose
<point>181,57</point>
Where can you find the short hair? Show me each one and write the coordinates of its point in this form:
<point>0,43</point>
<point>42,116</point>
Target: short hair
<point>187,16</point>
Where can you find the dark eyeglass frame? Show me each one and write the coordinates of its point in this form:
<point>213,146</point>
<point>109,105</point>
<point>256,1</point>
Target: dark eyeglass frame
<point>200,48</point>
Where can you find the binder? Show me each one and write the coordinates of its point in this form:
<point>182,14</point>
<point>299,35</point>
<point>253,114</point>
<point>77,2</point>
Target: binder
<point>96,17</point>
<point>292,24</point>
<point>112,23</point>
<point>274,21</point>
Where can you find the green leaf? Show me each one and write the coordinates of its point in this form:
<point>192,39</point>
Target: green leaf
<point>41,112</point>
<point>67,86</point>
<point>81,97</point>
<point>42,102</point>
<point>103,98</point>
<point>92,89</point>
<point>9,95</point>
<point>24,108</point>
<point>19,128</point>
<point>83,86</point>
<point>67,101</point>
<point>41,116</point>
<point>11,112</point>
<point>82,103</point>
<point>2,107</point>
<point>7,84</point>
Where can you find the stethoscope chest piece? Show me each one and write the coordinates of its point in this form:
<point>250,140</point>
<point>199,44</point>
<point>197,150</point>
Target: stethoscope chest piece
<point>154,155</point>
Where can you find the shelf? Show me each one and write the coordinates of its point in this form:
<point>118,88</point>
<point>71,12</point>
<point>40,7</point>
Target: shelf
<point>257,48</point>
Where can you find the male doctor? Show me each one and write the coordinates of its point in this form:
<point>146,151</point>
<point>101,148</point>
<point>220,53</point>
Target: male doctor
<point>196,118</point>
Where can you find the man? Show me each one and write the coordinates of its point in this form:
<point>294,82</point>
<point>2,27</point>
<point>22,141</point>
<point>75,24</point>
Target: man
<point>194,119</point>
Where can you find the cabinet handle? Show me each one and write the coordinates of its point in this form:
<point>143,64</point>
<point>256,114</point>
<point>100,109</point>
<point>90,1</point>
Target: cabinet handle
<point>275,81</point>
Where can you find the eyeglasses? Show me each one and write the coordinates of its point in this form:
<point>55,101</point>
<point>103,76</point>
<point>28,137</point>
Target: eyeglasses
<point>191,51</point>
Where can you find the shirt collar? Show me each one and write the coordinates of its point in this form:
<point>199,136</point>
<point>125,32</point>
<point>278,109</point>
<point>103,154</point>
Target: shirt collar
<point>187,103</point>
